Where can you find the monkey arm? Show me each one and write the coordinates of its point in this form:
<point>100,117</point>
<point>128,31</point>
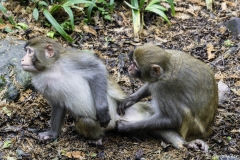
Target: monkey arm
<point>98,85</point>
<point>135,97</point>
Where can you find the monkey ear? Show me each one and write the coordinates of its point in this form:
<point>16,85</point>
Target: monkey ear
<point>49,50</point>
<point>156,70</point>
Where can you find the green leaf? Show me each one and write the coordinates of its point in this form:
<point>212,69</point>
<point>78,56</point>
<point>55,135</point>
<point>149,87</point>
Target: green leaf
<point>7,144</point>
<point>10,18</point>
<point>55,8</point>
<point>7,29</point>
<point>79,1</point>
<point>153,2</point>
<point>111,3</point>
<point>42,3</point>
<point>141,3</point>
<point>89,11</point>
<point>108,17</point>
<point>136,20</point>
<point>131,6</point>
<point>156,6</point>
<point>79,8</point>
<point>35,13</point>
<point>22,25</point>
<point>3,9</point>
<point>159,12</point>
<point>56,25</point>
<point>51,34</point>
<point>172,7</point>
<point>70,13</point>
<point>209,4</point>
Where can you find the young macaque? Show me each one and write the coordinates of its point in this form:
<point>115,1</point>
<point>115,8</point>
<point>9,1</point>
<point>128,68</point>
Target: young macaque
<point>184,96</point>
<point>78,82</point>
<point>75,81</point>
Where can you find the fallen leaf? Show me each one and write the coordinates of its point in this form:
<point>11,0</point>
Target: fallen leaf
<point>210,48</point>
<point>89,29</point>
<point>182,16</point>
<point>7,144</point>
<point>224,6</point>
<point>236,91</point>
<point>75,154</point>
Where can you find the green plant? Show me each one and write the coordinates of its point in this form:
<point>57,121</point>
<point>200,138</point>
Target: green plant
<point>9,16</point>
<point>209,4</point>
<point>67,5</point>
<point>152,6</point>
<point>100,6</point>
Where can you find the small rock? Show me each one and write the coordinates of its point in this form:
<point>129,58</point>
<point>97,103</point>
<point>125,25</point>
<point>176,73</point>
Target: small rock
<point>234,26</point>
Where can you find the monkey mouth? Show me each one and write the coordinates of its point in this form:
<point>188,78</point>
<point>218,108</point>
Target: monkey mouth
<point>25,66</point>
<point>28,68</point>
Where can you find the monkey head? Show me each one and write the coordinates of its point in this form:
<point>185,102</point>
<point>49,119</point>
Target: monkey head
<point>40,54</point>
<point>148,63</point>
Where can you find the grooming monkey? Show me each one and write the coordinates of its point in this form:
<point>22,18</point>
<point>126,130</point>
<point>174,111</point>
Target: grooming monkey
<point>184,96</point>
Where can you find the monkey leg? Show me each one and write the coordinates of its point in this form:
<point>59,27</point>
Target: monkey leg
<point>90,129</point>
<point>57,117</point>
<point>170,136</point>
<point>178,142</point>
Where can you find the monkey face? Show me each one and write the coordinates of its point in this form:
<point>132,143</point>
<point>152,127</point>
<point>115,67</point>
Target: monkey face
<point>134,71</point>
<point>38,58</point>
<point>27,61</point>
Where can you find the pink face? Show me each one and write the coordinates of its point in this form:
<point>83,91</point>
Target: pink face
<point>27,61</point>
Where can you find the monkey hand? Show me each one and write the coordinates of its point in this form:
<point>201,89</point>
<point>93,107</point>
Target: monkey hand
<point>197,145</point>
<point>104,118</point>
<point>127,102</point>
<point>47,136</point>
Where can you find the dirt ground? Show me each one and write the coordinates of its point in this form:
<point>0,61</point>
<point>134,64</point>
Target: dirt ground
<point>194,30</point>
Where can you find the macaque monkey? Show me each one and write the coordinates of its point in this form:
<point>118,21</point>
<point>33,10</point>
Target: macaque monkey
<point>184,96</point>
<point>69,81</point>
<point>77,82</point>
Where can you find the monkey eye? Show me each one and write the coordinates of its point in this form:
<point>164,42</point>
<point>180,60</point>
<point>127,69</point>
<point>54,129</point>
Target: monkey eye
<point>29,51</point>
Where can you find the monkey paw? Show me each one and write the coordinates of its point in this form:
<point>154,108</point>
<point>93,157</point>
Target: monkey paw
<point>104,120</point>
<point>197,145</point>
<point>46,136</point>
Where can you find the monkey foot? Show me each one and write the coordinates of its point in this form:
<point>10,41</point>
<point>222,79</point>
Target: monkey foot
<point>46,136</point>
<point>122,126</point>
<point>197,145</point>
<point>95,142</point>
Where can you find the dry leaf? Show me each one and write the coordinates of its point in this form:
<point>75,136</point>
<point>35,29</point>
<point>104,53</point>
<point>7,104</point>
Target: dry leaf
<point>236,91</point>
<point>210,48</point>
<point>237,83</point>
<point>224,6</point>
<point>182,16</point>
<point>2,26</point>
<point>89,29</point>
<point>220,75</point>
<point>160,39</point>
<point>69,154</point>
<point>75,154</point>
<point>231,4</point>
